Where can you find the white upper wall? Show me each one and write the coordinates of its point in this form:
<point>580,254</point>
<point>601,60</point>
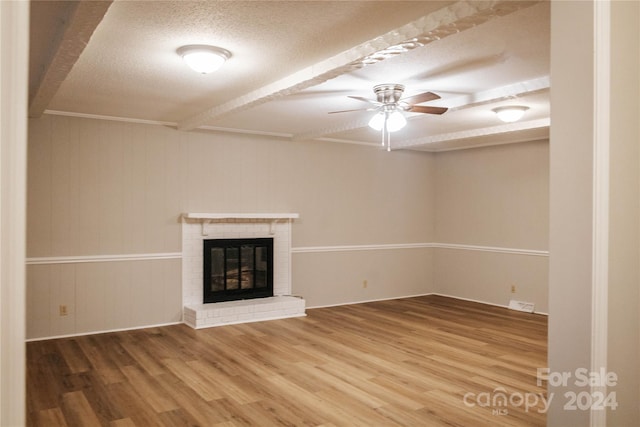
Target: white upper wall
<point>100,187</point>
<point>494,196</point>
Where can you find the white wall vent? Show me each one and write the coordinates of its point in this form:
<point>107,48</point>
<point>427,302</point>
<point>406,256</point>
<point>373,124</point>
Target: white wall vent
<point>527,307</point>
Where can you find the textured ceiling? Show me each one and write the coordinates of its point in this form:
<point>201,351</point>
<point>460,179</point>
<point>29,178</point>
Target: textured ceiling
<point>295,61</point>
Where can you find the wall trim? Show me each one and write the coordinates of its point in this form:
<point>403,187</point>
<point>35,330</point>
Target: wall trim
<point>420,295</point>
<point>14,74</point>
<point>109,118</point>
<point>78,259</point>
<point>351,248</point>
<point>542,313</point>
<point>600,234</point>
<point>103,258</point>
<point>82,334</point>
<point>369,300</point>
<point>512,251</point>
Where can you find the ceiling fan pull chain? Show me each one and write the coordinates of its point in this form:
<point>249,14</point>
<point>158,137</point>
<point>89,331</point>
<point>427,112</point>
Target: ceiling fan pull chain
<point>385,132</point>
<point>384,128</point>
<point>386,138</point>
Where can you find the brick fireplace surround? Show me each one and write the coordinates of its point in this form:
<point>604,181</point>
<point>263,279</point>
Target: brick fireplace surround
<point>197,227</point>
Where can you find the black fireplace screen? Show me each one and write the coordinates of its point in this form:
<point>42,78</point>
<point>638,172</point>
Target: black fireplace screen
<point>237,269</point>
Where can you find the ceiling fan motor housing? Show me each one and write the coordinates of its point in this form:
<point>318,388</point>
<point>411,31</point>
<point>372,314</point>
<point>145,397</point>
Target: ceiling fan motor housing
<point>388,93</point>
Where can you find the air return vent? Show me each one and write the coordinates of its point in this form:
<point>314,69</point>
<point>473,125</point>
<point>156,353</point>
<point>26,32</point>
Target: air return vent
<point>527,307</point>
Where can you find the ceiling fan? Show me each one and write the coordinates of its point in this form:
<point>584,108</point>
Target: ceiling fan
<point>390,106</point>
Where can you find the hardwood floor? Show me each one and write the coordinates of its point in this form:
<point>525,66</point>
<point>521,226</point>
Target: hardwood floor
<point>424,361</point>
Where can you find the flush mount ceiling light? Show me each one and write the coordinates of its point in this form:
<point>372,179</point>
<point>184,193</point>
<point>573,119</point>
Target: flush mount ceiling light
<point>204,58</point>
<point>510,113</point>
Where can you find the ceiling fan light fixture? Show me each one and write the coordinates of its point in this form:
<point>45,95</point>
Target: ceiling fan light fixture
<point>510,113</point>
<point>204,59</point>
<point>396,121</point>
<point>377,121</point>
<point>390,108</point>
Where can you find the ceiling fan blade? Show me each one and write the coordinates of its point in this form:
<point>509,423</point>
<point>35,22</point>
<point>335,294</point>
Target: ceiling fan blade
<point>427,110</point>
<point>360,98</point>
<point>348,111</point>
<point>420,98</point>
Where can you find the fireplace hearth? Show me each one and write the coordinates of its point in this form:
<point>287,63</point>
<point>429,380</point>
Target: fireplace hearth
<point>236,269</point>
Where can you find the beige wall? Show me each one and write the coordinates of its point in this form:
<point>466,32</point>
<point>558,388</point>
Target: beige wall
<point>594,236</point>
<point>331,278</point>
<point>100,188</point>
<point>493,197</point>
<point>102,296</point>
<point>345,194</point>
<point>571,213</point>
<point>488,276</point>
<point>108,188</point>
<point>624,212</point>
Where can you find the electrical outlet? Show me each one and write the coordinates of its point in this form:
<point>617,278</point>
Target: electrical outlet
<point>365,283</point>
<point>513,289</point>
<point>63,310</point>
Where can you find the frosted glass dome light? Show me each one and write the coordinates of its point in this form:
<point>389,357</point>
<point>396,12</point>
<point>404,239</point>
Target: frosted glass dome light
<point>377,121</point>
<point>510,113</point>
<point>204,58</point>
<point>395,121</point>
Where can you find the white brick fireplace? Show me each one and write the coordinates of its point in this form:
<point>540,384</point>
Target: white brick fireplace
<point>196,227</point>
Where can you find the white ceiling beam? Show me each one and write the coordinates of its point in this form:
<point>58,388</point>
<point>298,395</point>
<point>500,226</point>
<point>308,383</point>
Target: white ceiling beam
<point>434,26</point>
<point>76,28</point>
<point>475,133</point>
<point>511,91</point>
<point>503,93</point>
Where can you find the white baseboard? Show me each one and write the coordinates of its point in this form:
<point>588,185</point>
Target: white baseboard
<point>82,334</point>
<point>482,302</point>
<point>418,295</point>
<point>366,301</point>
<point>308,308</point>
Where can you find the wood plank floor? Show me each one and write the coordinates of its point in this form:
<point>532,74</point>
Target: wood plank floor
<point>424,361</point>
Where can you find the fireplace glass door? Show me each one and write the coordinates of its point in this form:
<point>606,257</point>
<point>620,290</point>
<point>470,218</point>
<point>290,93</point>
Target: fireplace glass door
<point>237,269</point>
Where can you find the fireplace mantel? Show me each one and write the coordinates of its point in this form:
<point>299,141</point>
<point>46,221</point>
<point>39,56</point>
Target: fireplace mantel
<point>245,216</point>
<point>206,218</point>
